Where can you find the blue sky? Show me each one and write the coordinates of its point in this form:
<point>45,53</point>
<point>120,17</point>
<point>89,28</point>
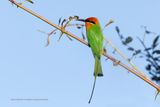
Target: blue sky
<point>63,71</point>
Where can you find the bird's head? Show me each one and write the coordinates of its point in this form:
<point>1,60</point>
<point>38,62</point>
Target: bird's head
<point>89,22</point>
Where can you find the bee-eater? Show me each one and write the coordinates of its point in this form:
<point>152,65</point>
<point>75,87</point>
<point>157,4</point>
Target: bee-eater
<point>95,40</point>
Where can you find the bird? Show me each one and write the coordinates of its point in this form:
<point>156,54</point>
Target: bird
<point>95,40</point>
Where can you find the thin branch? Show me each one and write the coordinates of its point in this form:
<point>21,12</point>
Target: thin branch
<point>148,53</point>
<point>85,43</point>
<point>121,54</point>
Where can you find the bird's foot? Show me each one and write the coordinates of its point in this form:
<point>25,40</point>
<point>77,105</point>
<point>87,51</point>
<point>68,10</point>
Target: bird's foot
<point>104,50</point>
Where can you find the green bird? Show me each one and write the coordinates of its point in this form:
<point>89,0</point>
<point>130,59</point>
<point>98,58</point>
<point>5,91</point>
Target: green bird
<point>95,39</point>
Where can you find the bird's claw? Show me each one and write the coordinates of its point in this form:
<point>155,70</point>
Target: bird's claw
<point>104,50</point>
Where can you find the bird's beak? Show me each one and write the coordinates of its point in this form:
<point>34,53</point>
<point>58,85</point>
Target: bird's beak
<point>82,20</point>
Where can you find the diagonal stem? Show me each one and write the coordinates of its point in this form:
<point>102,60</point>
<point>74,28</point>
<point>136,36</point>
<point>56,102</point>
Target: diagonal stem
<point>121,54</point>
<point>85,43</point>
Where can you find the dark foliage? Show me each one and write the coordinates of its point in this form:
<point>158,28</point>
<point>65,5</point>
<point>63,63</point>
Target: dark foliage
<point>150,53</point>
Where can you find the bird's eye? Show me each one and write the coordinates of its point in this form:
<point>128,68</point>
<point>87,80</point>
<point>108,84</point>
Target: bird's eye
<point>92,22</point>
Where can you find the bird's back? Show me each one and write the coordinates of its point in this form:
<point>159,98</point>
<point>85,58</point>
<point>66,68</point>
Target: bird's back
<point>95,39</point>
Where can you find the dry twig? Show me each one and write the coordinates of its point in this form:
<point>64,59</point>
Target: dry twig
<point>85,43</point>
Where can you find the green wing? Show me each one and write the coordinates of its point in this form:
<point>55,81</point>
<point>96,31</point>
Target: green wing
<point>95,39</point>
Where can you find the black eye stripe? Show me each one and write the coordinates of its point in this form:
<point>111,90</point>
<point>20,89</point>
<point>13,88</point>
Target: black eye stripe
<point>90,21</point>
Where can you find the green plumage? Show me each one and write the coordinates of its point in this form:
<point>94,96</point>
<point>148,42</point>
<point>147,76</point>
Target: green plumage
<point>95,40</point>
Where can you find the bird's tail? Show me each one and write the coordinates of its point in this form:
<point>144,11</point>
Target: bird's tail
<point>98,67</point>
<point>97,72</point>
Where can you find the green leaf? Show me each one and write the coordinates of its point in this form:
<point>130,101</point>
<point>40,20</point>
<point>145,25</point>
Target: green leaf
<point>137,52</point>
<point>59,21</point>
<point>147,32</point>
<point>156,52</point>
<point>131,49</point>
<point>30,1</point>
<point>148,67</point>
<point>155,42</point>
<point>128,40</point>
<point>147,49</point>
<point>117,29</point>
